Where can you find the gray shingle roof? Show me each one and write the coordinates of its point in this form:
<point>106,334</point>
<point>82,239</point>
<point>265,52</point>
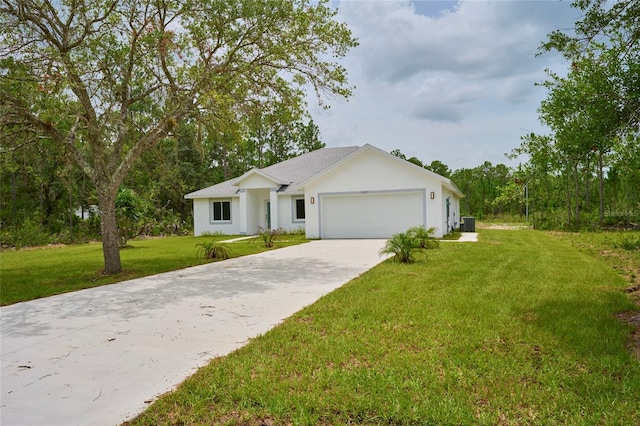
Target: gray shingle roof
<point>293,171</point>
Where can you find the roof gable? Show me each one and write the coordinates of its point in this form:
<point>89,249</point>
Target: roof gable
<point>372,149</point>
<point>286,175</point>
<point>256,178</point>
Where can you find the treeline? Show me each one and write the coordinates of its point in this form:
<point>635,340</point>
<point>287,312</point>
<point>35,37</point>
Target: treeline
<point>586,172</point>
<point>545,192</point>
<point>45,200</point>
<point>88,120</point>
<point>489,190</point>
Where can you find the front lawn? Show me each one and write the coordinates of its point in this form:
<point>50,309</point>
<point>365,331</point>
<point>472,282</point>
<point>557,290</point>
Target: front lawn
<point>45,271</point>
<point>519,328</point>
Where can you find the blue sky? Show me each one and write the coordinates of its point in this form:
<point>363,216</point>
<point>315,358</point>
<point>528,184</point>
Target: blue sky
<point>445,80</point>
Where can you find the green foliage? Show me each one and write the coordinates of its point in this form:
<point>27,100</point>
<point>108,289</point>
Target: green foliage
<point>482,186</point>
<point>104,94</point>
<point>439,167</point>
<point>269,236</point>
<point>128,211</point>
<point>455,235</point>
<point>404,246</point>
<point>628,242</point>
<point>212,234</point>
<point>296,231</point>
<point>424,237</point>
<point>214,250</point>
<point>589,164</point>
<point>29,233</point>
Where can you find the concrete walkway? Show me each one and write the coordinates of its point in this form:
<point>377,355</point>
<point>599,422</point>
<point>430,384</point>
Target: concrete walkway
<point>465,237</point>
<point>100,356</point>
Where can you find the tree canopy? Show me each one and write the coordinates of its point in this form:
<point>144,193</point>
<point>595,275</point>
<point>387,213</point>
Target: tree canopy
<point>108,80</point>
<point>594,110</point>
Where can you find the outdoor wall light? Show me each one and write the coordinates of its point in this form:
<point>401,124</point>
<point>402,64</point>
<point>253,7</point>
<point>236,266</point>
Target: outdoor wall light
<point>432,195</point>
<point>312,200</point>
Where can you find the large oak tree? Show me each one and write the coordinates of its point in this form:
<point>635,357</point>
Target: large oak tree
<point>125,73</point>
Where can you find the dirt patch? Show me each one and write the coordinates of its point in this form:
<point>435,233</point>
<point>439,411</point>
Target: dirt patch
<point>632,318</point>
<point>48,246</point>
<point>501,226</point>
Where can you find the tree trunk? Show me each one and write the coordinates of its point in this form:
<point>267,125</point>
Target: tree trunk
<point>577,189</point>
<point>71,214</point>
<point>109,230</point>
<point>13,198</point>
<point>587,189</point>
<point>601,182</point>
<point>569,206</point>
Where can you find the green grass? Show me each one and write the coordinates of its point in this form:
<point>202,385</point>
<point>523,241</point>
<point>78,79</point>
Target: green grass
<point>617,249</point>
<point>518,328</point>
<point>45,271</point>
<point>453,235</point>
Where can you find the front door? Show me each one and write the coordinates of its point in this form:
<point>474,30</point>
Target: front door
<point>268,214</point>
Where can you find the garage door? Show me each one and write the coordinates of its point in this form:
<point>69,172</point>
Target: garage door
<point>371,214</point>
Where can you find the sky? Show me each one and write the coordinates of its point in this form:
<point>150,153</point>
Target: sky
<point>452,81</point>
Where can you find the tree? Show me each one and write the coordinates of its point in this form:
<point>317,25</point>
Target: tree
<point>126,73</point>
<point>612,28</point>
<point>598,102</point>
<point>585,112</point>
<point>439,167</point>
<point>481,186</point>
<point>398,154</point>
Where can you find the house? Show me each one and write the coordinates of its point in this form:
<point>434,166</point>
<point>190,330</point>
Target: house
<point>349,192</point>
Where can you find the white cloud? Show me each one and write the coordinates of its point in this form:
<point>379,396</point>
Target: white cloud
<point>452,81</point>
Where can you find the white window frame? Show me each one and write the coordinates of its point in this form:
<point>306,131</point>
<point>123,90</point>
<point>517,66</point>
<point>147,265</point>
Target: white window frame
<point>212,211</point>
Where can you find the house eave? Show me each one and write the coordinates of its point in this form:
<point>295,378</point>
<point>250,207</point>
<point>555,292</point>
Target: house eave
<point>237,181</point>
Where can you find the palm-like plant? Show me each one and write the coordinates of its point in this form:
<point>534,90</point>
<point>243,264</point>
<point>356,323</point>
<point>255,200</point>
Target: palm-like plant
<point>214,250</point>
<point>405,245</point>
<point>269,236</point>
<point>425,237</point>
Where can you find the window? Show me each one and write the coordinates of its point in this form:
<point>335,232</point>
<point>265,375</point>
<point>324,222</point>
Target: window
<point>299,209</point>
<point>221,211</point>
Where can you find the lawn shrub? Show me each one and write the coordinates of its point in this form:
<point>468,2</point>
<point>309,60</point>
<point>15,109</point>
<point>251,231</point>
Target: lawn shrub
<point>212,234</point>
<point>424,237</point>
<point>404,246</point>
<point>296,231</point>
<point>214,250</point>
<point>28,233</point>
<point>270,236</point>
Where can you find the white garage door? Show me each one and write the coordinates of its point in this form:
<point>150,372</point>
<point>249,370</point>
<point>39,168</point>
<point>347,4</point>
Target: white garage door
<point>372,214</point>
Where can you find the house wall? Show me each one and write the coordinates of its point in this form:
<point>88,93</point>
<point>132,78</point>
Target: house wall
<point>256,209</point>
<point>256,214</point>
<point>202,217</point>
<point>372,171</point>
<point>286,213</point>
<point>454,211</point>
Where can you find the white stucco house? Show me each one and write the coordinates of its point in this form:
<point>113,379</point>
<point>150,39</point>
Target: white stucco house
<point>350,192</point>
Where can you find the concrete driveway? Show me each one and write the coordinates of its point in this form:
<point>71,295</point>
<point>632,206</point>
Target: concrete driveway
<point>100,356</point>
